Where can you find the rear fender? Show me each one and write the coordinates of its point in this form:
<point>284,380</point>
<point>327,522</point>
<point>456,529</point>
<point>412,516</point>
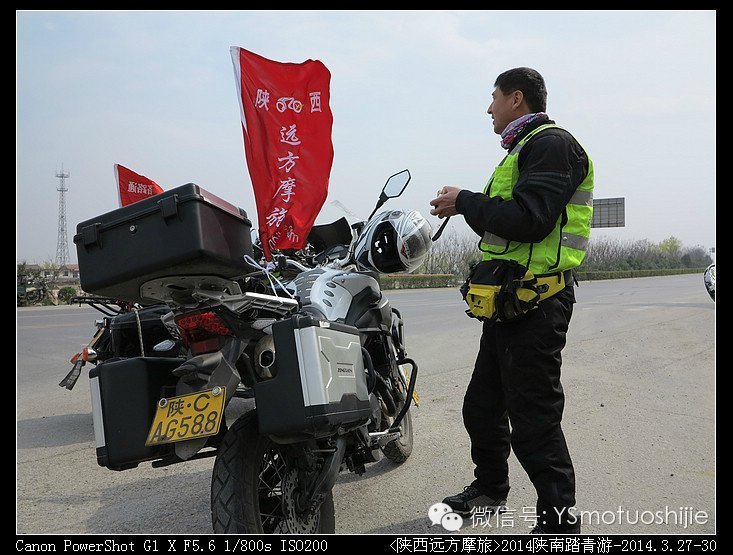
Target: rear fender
<point>205,372</point>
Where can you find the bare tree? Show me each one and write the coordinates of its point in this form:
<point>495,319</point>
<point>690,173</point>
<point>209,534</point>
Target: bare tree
<point>612,254</point>
<point>453,254</point>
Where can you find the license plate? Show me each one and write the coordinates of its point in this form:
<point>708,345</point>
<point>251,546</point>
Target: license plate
<point>187,417</point>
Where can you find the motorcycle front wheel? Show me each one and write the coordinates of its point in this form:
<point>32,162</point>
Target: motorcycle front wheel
<point>252,487</point>
<point>398,450</point>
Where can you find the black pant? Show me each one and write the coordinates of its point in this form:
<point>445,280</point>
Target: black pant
<point>516,381</point>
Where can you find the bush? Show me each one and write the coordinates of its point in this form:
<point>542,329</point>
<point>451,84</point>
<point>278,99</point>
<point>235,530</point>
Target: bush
<point>614,255</point>
<point>590,276</point>
<point>415,281</point>
<point>450,258</point>
<point>451,254</point>
<point>66,293</point>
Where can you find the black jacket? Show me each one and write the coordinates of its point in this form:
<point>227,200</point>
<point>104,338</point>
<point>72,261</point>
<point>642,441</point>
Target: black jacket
<point>551,166</point>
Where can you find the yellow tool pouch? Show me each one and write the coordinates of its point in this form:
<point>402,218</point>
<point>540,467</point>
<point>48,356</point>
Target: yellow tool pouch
<point>504,290</point>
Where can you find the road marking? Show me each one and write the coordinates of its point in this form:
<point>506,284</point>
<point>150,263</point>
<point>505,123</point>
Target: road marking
<point>44,326</point>
<point>46,314</point>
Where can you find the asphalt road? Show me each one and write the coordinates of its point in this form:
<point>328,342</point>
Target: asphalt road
<point>639,380</point>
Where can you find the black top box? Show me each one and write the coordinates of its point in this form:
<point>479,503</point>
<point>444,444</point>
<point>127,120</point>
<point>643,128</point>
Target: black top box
<point>183,231</point>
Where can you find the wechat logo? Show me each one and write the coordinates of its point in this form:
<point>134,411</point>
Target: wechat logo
<point>442,514</point>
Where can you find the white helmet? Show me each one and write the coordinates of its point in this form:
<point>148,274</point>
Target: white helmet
<point>394,241</point>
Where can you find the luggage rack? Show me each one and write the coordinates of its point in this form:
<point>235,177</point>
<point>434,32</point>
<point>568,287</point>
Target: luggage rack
<point>106,305</point>
<point>281,306</point>
<point>172,289</point>
<point>216,289</point>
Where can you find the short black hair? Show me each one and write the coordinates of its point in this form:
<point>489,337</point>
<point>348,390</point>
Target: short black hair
<point>527,80</point>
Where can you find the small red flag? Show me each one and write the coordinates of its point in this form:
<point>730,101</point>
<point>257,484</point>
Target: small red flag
<point>133,187</point>
<point>286,122</point>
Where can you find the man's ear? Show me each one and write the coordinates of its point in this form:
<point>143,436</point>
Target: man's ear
<point>517,99</point>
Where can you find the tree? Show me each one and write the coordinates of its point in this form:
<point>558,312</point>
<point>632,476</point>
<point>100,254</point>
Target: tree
<point>670,249</point>
<point>695,257</point>
<point>453,253</point>
<point>605,254</point>
<point>66,293</point>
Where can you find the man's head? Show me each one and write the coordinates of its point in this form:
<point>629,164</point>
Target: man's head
<point>517,92</point>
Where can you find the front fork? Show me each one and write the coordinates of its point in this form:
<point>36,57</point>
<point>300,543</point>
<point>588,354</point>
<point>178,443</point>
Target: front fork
<point>403,384</point>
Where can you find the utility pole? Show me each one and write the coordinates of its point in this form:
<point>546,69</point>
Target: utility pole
<point>62,244</point>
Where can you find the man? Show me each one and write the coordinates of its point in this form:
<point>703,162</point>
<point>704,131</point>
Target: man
<point>536,210</point>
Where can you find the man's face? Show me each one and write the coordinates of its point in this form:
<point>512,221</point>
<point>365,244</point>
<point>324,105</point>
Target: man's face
<point>502,109</point>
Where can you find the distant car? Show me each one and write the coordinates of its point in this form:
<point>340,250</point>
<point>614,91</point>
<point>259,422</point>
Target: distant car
<point>709,278</point>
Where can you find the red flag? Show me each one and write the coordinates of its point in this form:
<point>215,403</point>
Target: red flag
<point>133,187</point>
<point>286,122</point>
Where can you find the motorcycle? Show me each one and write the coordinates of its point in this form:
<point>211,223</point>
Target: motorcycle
<point>709,280</point>
<point>308,336</point>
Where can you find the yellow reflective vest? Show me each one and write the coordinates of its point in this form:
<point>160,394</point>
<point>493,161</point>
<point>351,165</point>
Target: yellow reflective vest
<point>565,247</point>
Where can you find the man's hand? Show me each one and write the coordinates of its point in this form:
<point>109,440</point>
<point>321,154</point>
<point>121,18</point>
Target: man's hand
<point>445,202</point>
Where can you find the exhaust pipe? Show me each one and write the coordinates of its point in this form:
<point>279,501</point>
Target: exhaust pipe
<point>265,357</point>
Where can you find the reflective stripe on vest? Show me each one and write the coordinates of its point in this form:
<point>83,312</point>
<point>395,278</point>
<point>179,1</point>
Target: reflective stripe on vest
<point>495,240</point>
<point>582,197</point>
<point>577,242</point>
<point>565,246</point>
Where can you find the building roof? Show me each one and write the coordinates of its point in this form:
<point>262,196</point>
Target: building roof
<point>70,267</point>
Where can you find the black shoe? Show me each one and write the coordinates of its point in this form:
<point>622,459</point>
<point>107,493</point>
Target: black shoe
<point>537,530</point>
<point>570,529</point>
<point>470,498</point>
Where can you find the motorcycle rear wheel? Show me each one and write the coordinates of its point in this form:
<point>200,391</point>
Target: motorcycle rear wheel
<point>252,485</point>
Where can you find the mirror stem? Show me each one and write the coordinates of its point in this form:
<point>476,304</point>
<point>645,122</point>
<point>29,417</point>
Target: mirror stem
<point>440,229</point>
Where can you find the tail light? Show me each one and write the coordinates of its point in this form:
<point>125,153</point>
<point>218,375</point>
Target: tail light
<point>202,331</point>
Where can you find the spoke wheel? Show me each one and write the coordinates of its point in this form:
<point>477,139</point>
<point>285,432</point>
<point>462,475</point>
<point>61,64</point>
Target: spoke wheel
<point>254,487</point>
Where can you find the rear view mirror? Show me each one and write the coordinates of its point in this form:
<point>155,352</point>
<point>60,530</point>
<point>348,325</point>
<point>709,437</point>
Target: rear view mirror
<point>393,188</point>
<point>396,184</point>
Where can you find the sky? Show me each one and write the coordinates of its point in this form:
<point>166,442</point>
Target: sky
<point>155,91</point>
